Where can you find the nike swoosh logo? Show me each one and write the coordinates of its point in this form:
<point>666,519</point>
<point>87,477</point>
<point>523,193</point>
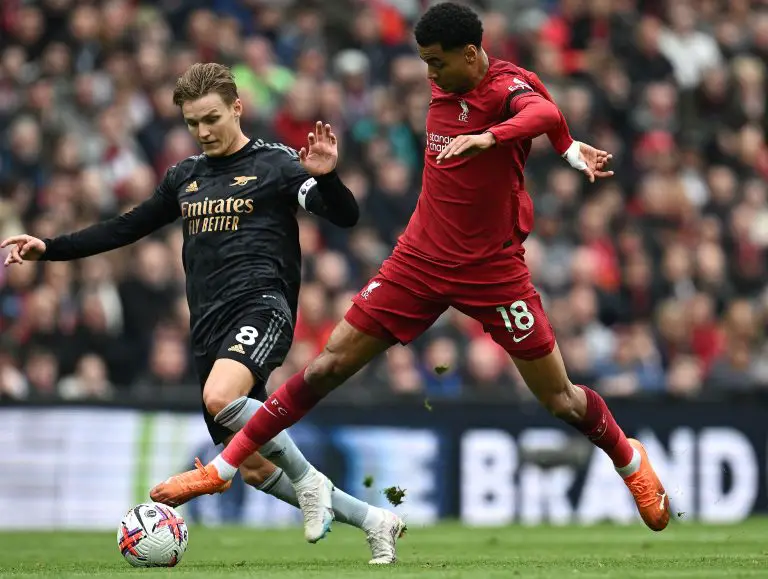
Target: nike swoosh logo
<point>518,339</point>
<point>661,502</point>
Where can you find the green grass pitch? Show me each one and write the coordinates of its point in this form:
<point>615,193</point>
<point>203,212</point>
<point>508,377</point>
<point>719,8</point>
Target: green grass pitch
<point>447,551</point>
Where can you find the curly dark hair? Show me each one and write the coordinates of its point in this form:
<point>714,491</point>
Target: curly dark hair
<point>450,25</point>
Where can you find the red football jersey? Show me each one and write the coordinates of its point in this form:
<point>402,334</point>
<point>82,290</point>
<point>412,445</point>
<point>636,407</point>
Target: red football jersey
<point>472,207</point>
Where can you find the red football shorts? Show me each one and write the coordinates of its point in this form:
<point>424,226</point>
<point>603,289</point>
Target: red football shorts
<point>409,293</point>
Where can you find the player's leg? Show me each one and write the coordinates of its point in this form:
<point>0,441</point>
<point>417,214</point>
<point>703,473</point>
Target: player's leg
<point>246,357</point>
<point>347,351</point>
<point>313,489</point>
<point>521,327</point>
<point>264,476</point>
<point>277,481</point>
<point>223,381</point>
<point>314,492</point>
<point>247,354</point>
<point>586,410</point>
<point>235,375</point>
<point>382,527</point>
<point>228,379</point>
<point>226,398</point>
<point>382,314</point>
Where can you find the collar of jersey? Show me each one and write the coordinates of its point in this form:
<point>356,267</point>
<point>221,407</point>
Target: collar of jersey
<point>220,161</point>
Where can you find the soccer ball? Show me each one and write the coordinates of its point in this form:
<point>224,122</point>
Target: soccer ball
<point>152,535</point>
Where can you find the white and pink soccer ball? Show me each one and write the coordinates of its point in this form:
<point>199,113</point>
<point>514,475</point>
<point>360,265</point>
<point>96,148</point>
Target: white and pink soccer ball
<point>152,535</point>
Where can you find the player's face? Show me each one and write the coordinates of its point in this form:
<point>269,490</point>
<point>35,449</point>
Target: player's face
<point>213,123</point>
<point>450,70</point>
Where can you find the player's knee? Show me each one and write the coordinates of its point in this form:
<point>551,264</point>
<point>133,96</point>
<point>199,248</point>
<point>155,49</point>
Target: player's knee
<point>228,381</point>
<point>216,399</point>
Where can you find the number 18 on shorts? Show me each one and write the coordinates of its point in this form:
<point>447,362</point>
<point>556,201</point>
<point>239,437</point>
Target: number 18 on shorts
<point>520,327</point>
<point>517,319</point>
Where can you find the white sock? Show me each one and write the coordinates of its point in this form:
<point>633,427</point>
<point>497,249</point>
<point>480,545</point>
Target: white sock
<point>632,467</point>
<point>372,519</point>
<point>281,450</point>
<point>348,509</point>
<point>226,471</point>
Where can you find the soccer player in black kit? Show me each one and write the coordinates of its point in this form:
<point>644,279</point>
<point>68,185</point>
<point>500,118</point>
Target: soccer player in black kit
<point>238,201</point>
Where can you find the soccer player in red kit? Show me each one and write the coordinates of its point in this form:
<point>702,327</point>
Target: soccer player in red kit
<point>462,248</point>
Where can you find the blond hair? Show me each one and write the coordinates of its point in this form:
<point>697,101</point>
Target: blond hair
<point>201,79</point>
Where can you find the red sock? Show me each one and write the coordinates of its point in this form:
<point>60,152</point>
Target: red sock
<point>284,408</point>
<point>600,427</point>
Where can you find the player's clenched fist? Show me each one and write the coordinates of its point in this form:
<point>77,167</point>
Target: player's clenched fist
<point>466,145</point>
<point>23,247</point>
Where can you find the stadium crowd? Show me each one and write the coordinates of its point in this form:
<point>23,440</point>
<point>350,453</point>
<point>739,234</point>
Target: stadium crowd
<point>655,280</point>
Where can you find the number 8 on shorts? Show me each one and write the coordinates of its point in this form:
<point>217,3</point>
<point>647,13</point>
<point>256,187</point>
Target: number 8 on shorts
<point>247,335</point>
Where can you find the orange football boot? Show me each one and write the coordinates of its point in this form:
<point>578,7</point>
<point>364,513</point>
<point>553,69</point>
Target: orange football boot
<point>651,498</point>
<point>180,488</point>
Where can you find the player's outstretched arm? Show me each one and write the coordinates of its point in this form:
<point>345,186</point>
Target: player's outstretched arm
<point>324,194</point>
<point>119,231</point>
<point>582,157</point>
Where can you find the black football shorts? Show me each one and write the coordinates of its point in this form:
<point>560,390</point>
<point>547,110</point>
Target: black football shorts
<point>259,339</point>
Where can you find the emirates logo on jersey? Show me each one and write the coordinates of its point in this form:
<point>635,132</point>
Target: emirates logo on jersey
<point>464,115</point>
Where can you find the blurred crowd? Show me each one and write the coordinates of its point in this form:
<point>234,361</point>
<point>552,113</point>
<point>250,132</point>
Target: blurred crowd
<point>655,280</point>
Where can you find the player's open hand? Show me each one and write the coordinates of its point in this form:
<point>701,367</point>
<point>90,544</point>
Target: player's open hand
<point>23,247</point>
<point>596,162</point>
<point>320,155</point>
<point>467,145</point>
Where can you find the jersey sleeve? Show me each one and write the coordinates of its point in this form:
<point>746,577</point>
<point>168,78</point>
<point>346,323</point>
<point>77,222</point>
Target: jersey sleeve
<point>528,111</point>
<point>325,196</point>
<point>296,181</point>
<point>159,210</point>
<point>560,137</point>
<point>516,88</point>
